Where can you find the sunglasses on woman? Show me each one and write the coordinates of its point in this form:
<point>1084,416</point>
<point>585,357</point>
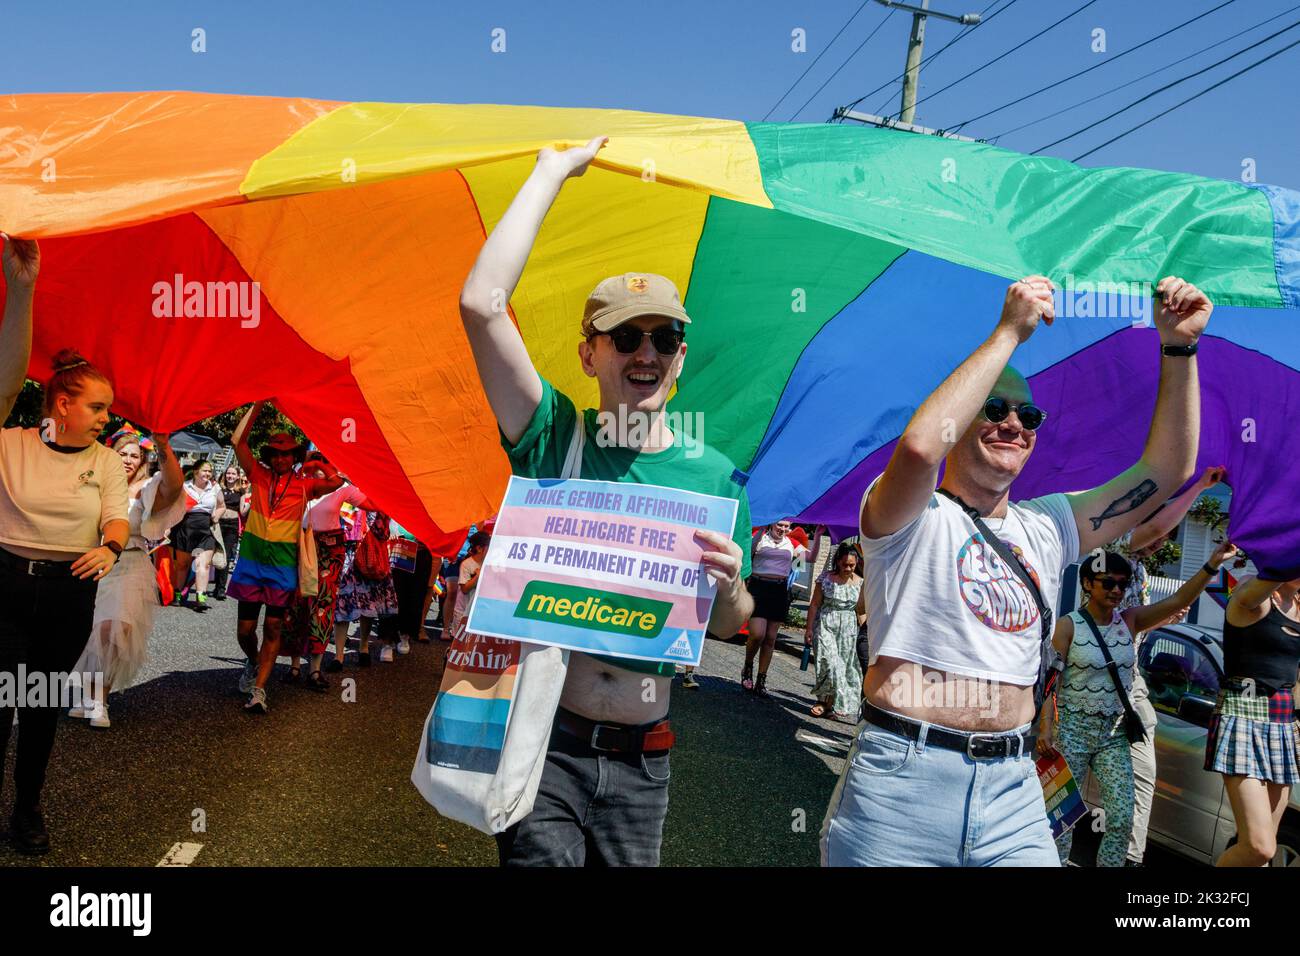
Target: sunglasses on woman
<point>1030,415</point>
<point>1110,584</point>
<point>666,339</point>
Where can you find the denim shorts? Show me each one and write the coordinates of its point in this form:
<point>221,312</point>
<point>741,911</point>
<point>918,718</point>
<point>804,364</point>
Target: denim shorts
<point>899,802</point>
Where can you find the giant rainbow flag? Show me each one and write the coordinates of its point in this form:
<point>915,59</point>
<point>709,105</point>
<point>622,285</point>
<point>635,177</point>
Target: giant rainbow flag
<point>835,274</point>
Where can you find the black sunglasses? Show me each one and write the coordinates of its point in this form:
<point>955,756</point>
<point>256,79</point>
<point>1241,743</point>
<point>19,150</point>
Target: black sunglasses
<point>1030,415</point>
<point>666,339</point>
<point>1109,584</point>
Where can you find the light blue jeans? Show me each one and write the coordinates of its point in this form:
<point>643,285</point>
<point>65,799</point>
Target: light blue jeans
<point>900,803</point>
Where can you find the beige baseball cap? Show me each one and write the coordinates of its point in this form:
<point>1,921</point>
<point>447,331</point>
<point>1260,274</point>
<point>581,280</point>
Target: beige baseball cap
<point>619,298</point>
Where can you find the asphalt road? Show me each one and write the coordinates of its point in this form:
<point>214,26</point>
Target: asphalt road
<point>320,781</point>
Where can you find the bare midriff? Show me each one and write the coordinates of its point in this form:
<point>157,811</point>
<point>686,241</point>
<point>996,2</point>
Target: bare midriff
<point>952,700</point>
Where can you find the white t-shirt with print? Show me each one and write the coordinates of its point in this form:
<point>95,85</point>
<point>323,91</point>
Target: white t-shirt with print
<point>938,595</point>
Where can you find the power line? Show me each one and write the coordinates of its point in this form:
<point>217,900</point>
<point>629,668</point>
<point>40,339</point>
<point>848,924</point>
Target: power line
<point>1179,61</point>
<point>1007,53</point>
<point>1096,66</point>
<point>937,53</point>
<point>1194,96</point>
<point>892,11</point>
<point>1167,86</point>
<point>818,58</point>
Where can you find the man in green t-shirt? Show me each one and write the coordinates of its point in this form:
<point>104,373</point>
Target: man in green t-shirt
<point>604,790</point>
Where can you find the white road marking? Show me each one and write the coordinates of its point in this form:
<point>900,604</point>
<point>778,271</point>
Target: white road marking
<point>816,741</point>
<point>181,854</point>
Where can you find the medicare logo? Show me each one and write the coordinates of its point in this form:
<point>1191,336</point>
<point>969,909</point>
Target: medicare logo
<point>629,428</point>
<point>591,609</point>
<point>1104,300</point>
<point>22,688</point>
<point>208,300</point>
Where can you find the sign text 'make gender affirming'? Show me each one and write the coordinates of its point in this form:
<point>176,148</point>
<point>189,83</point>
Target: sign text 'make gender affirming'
<point>599,566</point>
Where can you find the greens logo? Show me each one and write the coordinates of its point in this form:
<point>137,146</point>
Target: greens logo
<point>596,610</point>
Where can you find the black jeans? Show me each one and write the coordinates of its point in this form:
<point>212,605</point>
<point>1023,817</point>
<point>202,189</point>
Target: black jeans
<point>411,587</point>
<point>44,625</point>
<point>592,809</point>
<point>230,538</point>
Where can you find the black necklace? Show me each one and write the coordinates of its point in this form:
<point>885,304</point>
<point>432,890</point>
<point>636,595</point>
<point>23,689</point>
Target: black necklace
<point>276,499</point>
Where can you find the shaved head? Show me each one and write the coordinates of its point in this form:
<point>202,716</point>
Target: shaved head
<point>1013,386</point>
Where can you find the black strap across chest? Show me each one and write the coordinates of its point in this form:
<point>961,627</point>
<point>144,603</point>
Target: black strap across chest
<point>1046,673</point>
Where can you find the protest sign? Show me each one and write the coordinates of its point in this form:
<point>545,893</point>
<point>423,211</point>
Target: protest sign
<point>1065,806</point>
<point>603,567</point>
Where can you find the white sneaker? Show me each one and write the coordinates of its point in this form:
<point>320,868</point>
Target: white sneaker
<point>77,713</point>
<point>99,717</point>
<point>386,655</point>
<point>257,701</point>
<point>248,678</point>
<point>403,646</point>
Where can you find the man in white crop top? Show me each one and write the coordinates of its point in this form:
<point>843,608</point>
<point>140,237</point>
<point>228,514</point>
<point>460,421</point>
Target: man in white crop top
<point>942,772</point>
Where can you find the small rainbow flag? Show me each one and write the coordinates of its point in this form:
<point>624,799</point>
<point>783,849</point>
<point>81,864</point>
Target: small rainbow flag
<point>1221,590</point>
<point>1065,806</point>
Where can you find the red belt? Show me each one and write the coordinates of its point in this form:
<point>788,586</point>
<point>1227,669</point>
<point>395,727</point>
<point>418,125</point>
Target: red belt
<point>616,738</point>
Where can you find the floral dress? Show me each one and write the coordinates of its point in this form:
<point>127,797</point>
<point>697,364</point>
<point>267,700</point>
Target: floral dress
<point>360,597</point>
<point>835,635</point>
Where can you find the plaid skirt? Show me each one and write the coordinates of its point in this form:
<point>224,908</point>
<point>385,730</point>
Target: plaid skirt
<point>1253,736</point>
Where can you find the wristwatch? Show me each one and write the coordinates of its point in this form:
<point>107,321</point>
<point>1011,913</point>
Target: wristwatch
<point>1209,570</point>
<point>1178,351</point>
<point>114,547</point>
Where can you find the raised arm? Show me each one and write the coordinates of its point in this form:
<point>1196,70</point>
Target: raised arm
<point>1144,617</point>
<point>1105,513</point>
<point>508,376</point>
<point>1166,520</point>
<point>909,478</point>
<point>169,487</point>
<point>22,261</point>
<point>332,481</point>
<point>1249,601</point>
<point>240,438</point>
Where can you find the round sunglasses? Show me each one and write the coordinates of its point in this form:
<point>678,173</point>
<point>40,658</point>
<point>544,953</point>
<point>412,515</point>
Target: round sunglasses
<point>666,339</point>
<point>1030,415</point>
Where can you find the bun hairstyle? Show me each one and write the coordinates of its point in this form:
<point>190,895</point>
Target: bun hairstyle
<point>71,374</point>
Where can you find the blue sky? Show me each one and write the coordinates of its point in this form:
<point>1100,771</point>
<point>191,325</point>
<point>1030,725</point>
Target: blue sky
<point>725,58</point>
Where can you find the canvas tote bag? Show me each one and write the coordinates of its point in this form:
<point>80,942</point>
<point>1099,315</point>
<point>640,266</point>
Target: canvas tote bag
<point>485,739</point>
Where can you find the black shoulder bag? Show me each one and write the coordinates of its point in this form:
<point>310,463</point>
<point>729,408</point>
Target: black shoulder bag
<point>1047,670</point>
<point>1132,722</point>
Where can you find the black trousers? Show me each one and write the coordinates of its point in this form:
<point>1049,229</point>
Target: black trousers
<point>44,625</point>
<point>230,538</point>
<point>411,587</point>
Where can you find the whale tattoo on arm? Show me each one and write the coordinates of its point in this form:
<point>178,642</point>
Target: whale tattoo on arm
<point>1129,502</point>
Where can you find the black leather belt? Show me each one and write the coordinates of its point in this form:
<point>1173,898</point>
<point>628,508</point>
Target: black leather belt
<point>977,746</point>
<point>616,738</point>
<point>39,569</point>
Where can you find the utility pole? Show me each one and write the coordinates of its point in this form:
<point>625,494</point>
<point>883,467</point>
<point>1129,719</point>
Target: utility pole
<point>915,46</point>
